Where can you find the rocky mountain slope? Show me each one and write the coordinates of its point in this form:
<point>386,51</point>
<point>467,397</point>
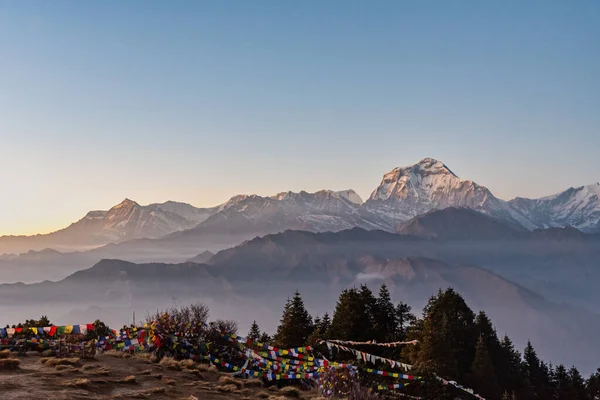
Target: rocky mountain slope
<point>125,221</point>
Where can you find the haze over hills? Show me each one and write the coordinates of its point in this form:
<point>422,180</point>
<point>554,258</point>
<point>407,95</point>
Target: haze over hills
<point>263,272</point>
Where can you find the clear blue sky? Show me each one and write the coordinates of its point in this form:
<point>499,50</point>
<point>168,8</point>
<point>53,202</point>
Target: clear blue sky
<point>198,101</point>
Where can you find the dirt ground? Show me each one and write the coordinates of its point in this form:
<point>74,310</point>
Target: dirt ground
<point>108,377</point>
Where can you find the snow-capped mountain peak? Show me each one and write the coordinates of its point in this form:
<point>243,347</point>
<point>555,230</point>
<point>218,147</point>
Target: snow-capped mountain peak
<point>126,203</point>
<point>577,207</point>
<point>406,192</point>
<point>351,196</point>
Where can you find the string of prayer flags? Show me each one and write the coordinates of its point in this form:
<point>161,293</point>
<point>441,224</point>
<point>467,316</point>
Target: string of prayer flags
<point>366,357</point>
<point>50,331</point>
<point>294,352</point>
<point>392,374</point>
<point>374,343</point>
<point>392,387</point>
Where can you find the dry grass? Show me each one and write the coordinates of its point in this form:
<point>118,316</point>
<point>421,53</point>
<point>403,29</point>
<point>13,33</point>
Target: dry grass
<point>48,353</point>
<point>130,380</point>
<point>4,354</point>
<point>142,394</point>
<point>77,383</point>
<point>4,386</point>
<point>263,395</point>
<point>156,376</point>
<point>277,398</point>
<point>53,362</point>
<point>187,364</point>
<point>203,367</point>
<point>227,380</point>
<point>144,356</point>
<point>117,354</point>
<point>228,389</point>
<point>170,363</point>
<point>9,364</point>
<point>102,371</point>
<point>66,368</point>
<point>88,367</point>
<point>170,382</point>
<point>291,391</point>
<point>253,383</point>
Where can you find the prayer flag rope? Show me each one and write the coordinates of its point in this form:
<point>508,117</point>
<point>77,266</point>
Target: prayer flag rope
<point>392,387</point>
<point>393,374</point>
<point>373,343</point>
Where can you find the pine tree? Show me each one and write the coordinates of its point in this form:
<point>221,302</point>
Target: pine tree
<point>295,325</point>
<point>531,367</point>
<point>447,336</point>
<point>370,304</point>
<point>404,319</point>
<point>483,376</point>
<point>254,333</point>
<point>385,317</point>
<point>510,371</point>
<point>320,332</point>
<point>351,319</point>
<point>325,324</point>
<point>265,338</point>
<point>578,389</point>
<point>538,374</point>
<point>593,386</point>
<point>561,383</point>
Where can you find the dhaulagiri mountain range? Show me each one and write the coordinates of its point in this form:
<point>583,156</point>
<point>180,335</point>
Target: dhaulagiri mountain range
<point>404,193</point>
<point>531,264</point>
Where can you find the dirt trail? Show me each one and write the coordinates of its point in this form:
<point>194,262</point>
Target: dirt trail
<point>105,377</point>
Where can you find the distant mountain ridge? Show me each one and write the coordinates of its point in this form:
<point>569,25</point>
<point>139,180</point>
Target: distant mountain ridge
<point>404,193</point>
<point>124,221</point>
